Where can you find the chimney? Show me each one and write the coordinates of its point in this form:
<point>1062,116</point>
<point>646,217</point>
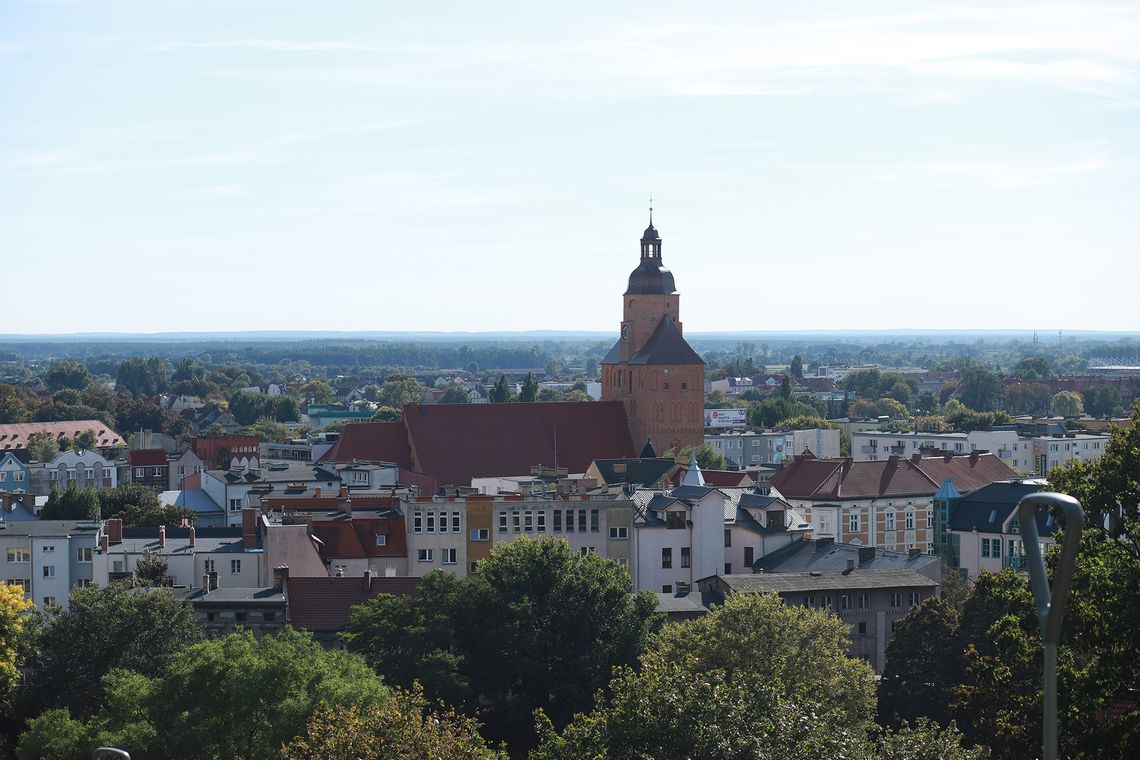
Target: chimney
<point>249,528</point>
<point>205,583</point>
<point>346,508</point>
<point>866,554</point>
<point>213,576</point>
<point>192,536</point>
<point>104,543</point>
<point>343,491</point>
<point>850,565</point>
<point>281,577</point>
<point>161,536</point>
<point>916,457</point>
<point>115,530</point>
<point>974,457</point>
<point>368,580</point>
<point>317,492</point>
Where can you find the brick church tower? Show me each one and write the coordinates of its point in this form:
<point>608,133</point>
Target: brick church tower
<point>652,369</point>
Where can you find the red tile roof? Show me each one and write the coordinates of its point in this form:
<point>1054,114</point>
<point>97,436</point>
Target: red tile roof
<point>356,538</point>
<point>836,479</point>
<point>727,478</point>
<point>456,442</point>
<point>15,435</point>
<point>323,604</point>
<point>146,457</point>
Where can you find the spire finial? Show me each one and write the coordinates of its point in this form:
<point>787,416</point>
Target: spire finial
<point>651,209</point>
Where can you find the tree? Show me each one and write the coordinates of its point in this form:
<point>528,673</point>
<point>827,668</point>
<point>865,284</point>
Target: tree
<point>797,367</point>
<point>708,458</point>
<point>785,390</point>
<point>400,390</point>
<point>501,393</point>
<point>13,605</point>
<point>1067,404</point>
<point>13,406</point>
<point>268,429</point>
<point>114,501</point>
<point>979,388</point>
<point>1027,398</point>
<point>1103,401</point>
<point>566,619</point>
<point>71,504</point>
<point>150,570</point>
<point>529,390</point>
<point>455,394</point>
<point>104,629</point>
<point>804,422</point>
<point>87,440</point>
<point>43,447</point>
<point>406,726</point>
<point>386,414</point>
<point>318,391</point>
<point>143,377</point>
<point>754,678</point>
<point>917,669</point>
<point>1033,368</point>
<point>67,373</point>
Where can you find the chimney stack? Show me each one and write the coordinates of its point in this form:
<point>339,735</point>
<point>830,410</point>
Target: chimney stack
<point>249,528</point>
<point>850,565</point>
<point>317,492</point>
<point>192,536</point>
<point>205,583</point>
<point>161,536</point>
<point>115,530</point>
<point>281,577</point>
<point>343,491</point>
<point>213,576</point>
<point>104,543</point>
<point>368,580</point>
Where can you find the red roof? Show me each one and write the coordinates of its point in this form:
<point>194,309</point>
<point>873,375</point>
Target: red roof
<point>356,538</point>
<point>455,442</point>
<point>146,457</point>
<point>323,604</point>
<point>15,435</point>
<point>837,479</point>
<point>727,478</point>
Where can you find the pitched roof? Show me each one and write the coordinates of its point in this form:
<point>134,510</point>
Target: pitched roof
<point>372,442</point>
<point>987,509</point>
<point>837,479</point>
<point>355,538</point>
<point>827,556</point>
<point>456,442</point>
<point>323,604</point>
<point>146,457</point>
<point>666,346</point>
<point>799,582</point>
<point>15,435</point>
<point>642,471</point>
<point>727,478</point>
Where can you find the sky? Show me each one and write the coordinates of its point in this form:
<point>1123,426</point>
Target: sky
<point>221,165</point>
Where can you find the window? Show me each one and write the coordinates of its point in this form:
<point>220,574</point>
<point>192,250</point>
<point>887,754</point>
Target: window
<point>594,515</point>
<point>558,521</point>
<point>587,550</point>
<point>381,539</point>
<point>89,473</point>
<point>417,522</point>
<point>728,537</point>
<point>49,548</point>
<point>581,521</point>
<point>854,522</point>
<point>674,519</point>
<point>502,522</point>
<point>71,474</point>
<point>49,601</point>
<point>666,385</point>
<point>53,475</point>
<point>83,582</point>
<point>423,555</point>
<point>207,566</point>
<point>516,521</point>
<point>910,519</point>
<point>269,616</point>
<point>479,534</point>
<point>239,617</point>
<point>618,534</point>
<point>235,566</point>
<point>474,567</point>
<point>666,558</point>
<point>49,571</point>
<point>235,505</point>
<point>19,554</point>
<point>915,598</point>
<point>748,552</point>
<point>891,520</point>
<point>528,521</point>
<point>448,556</point>
<point>686,557</point>
<point>684,386</point>
<point>140,472</point>
<point>862,629</point>
<point>83,554</point>
<point>986,547</point>
<point>454,522</point>
<point>728,568</point>
<point>431,522</point>
<point>896,599</point>
<point>844,602</point>
<point>569,521</point>
<point>667,588</point>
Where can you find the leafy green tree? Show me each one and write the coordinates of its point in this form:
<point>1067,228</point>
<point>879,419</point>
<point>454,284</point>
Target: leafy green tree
<point>87,440</point>
<point>864,383</point>
<point>43,447</point>
<point>143,377</point>
<point>785,390</point>
<point>754,678</point>
<point>268,429</point>
<point>13,405</point>
<point>319,391</point>
<point>150,570</point>
<point>1027,398</point>
<point>917,669</point>
<point>804,422</point>
<point>104,629</point>
<point>55,735</point>
<point>386,414</point>
<point>797,367</point>
<point>1034,368</point>
<point>979,389</point>
<point>926,741</point>
<point>455,394</point>
<point>71,504</point>
<point>406,726</point>
<point>400,390</point>
<point>1103,401</point>
<point>529,390</point>
<point>501,393</point>
<point>67,373</point>
<point>566,619</point>
<point>113,501</point>
<point>708,458</point>
<point>926,402</point>
<point>13,622</point>
<point>1067,404</point>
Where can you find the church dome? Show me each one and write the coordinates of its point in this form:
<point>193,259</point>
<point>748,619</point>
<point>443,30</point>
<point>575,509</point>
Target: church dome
<point>650,234</point>
<point>651,278</point>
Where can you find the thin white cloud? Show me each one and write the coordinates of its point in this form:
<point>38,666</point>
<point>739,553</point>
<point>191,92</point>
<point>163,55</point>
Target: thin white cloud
<point>280,46</point>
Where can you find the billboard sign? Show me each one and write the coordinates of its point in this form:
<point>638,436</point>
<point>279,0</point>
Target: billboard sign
<point>720,418</point>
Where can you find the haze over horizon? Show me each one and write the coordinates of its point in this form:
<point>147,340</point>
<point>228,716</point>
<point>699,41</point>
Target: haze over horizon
<point>215,166</point>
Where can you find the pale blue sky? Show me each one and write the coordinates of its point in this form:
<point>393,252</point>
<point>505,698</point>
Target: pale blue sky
<point>226,165</point>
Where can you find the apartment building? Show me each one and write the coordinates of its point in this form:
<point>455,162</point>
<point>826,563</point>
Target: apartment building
<point>48,558</point>
<point>750,447</point>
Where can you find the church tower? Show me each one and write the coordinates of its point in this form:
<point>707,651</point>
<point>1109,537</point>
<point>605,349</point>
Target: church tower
<point>652,369</point>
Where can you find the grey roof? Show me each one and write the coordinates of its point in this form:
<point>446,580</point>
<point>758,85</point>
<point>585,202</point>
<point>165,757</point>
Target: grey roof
<point>697,602</point>
<point>666,346</point>
<point>48,528</point>
<point>613,356</point>
<point>856,579</point>
<point>193,498</point>
<point>277,472</point>
<point>987,509</point>
<point>641,471</point>
<point>827,556</point>
<point>231,595</point>
<point>692,493</point>
<point>651,278</point>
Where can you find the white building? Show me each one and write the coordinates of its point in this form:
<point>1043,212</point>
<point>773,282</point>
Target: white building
<point>749,448</point>
<point>73,469</point>
<point>47,558</point>
<point>985,534</point>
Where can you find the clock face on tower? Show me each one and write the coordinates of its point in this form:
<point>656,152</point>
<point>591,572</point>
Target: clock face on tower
<point>625,332</point>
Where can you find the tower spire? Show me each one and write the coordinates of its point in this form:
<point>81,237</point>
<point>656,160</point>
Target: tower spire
<point>651,209</point>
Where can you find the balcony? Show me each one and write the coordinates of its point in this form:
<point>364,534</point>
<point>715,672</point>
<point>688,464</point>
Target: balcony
<point>869,449</point>
<point>898,450</point>
<point>1015,563</point>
